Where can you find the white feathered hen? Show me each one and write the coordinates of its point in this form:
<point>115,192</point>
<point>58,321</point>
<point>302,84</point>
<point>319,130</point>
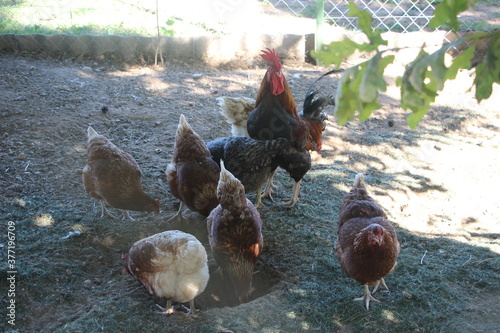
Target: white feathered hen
<point>236,110</point>
<point>172,265</point>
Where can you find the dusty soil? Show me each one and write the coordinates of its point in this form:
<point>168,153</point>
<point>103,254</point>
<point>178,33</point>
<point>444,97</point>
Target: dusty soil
<point>439,180</point>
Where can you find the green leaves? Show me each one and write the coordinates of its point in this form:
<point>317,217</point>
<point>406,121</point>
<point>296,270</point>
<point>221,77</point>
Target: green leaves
<point>488,71</point>
<point>446,13</point>
<point>359,87</point>
<point>425,77</point>
<point>336,52</point>
<point>365,24</point>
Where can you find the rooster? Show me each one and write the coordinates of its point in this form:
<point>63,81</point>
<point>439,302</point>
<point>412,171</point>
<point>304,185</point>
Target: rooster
<point>113,175</point>
<point>251,161</point>
<point>234,233</point>
<point>192,175</point>
<point>275,116</point>
<point>367,245</point>
<point>171,264</point>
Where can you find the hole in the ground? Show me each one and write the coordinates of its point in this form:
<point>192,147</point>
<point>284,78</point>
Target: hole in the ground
<point>220,293</point>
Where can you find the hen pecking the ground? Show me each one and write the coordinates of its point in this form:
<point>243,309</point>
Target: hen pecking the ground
<point>171,265</point>
<point>192,175</point>
<point>113,175</point>
<point>235,235</point>
<point>367,246</point>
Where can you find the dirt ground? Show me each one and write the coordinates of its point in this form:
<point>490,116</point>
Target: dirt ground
<point>439,180</point>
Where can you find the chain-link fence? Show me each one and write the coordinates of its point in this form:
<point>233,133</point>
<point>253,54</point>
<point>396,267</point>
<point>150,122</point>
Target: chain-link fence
<point>140,30</point>
<point>389,15</point>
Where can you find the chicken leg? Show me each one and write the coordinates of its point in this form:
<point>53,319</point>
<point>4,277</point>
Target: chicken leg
<point>377,284</point>
<point>178,214</point>
<point>367,297</point>
<point>295,196</point>
<point>269,187</point>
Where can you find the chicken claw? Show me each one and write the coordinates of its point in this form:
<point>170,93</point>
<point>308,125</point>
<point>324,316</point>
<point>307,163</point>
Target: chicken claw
<point>105,211</point>
<point>367,297</point>
<point>126,216</point>
<point>269,187</point>
<point>295,196</point>
<point>169,309</point>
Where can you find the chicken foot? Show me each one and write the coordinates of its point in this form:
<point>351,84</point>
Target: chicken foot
<point>295,196</point>
<point>169,309</point>
<point>105,211</point>
<point>126,216</point>
<point>178,214</point>
<point>367,297</point>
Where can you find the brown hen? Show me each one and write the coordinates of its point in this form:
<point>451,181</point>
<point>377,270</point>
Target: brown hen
<point>234,232</point>
<point>367,245</point>
<point>114,176</point>
<point>192,175</point>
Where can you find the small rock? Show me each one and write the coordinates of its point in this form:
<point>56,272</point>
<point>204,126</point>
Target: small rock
<point>21,156</point>
<point>87,69</point>
<point>297,76</point>
<point>390,123</point>
<point>158,150</point>
<point>68,271</point>
<point>87,282</point>
<point>197,76</point>
<point>407,294</point>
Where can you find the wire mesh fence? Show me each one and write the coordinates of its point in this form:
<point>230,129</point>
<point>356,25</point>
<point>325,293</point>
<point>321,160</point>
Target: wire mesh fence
<point>389,15</point>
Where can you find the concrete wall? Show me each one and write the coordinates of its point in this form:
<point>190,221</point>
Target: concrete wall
<point>214,51</point>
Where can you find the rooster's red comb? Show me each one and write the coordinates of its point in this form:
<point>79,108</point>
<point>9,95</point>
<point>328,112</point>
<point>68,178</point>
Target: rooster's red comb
<point>272,57</point>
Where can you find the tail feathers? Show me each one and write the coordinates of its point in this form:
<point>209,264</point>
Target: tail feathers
<point>236,110</point>
<point>91,133</point>
<point>359,181</point>
<point>313,108</point>
<point>183,127</point>
<point>230,191</point>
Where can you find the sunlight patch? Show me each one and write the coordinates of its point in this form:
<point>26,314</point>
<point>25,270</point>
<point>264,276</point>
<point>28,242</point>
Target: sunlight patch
<point>44,220</point>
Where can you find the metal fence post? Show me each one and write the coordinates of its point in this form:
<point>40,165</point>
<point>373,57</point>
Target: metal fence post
<point>320,19</point>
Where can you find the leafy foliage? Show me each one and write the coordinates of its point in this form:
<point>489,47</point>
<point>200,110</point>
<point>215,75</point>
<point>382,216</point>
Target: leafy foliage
<point>424,77</point>
<point>446,13</point>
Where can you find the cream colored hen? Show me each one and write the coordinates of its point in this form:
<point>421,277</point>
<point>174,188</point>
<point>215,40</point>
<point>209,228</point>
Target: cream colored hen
<point>172,265</point>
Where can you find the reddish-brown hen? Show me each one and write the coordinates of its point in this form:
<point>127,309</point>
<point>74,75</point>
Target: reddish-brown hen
<point>171,264</point>
<point>367,245</point>
<point>114,176</point>
<point>192,175</point>
<point>234,232</point>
